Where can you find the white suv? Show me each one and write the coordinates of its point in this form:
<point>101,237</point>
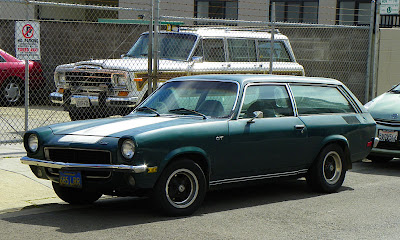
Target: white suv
<point>101,88</point>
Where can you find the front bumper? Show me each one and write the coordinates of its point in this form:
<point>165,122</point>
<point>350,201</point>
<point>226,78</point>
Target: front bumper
<point>86,167</point>
<point>57,98</point>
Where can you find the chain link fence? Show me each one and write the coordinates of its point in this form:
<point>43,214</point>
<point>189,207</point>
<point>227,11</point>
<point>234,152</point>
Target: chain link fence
<point>101,61</point>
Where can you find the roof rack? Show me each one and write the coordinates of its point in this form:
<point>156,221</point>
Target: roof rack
<point>255,29</point>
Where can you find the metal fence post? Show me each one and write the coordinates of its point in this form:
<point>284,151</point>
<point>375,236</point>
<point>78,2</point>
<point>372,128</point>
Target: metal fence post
<point>376,49</point>
<point>369,62</point>
<point>150,52</point>
<point>271,60</point>
<point>155,43</point>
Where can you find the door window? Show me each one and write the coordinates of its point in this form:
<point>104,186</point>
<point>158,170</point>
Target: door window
<point>272,100</point>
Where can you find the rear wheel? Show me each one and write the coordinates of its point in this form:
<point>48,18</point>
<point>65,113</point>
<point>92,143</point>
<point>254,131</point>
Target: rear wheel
<point>181,188</point>
<point>327,173</point>
<point>75,196</point>
<point>379,159</point>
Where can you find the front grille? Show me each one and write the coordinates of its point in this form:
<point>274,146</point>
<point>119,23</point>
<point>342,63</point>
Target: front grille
<point>88,79</point>
<point>389,145</point>
<point>79,156</point>
<point>83,156</point>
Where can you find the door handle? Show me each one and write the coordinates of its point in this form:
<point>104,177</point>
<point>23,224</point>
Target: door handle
<point>299,128</point>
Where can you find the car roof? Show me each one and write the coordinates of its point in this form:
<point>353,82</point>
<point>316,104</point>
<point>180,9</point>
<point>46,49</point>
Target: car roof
<point>261,78</point>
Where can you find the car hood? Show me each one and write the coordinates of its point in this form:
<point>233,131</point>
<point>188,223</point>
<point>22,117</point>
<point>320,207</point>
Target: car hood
<point>125,64</point>
<point>119,127</point>
<point>385,107</point>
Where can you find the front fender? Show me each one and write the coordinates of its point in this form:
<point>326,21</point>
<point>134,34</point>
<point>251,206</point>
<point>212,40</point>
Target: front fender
<point>176,153</point>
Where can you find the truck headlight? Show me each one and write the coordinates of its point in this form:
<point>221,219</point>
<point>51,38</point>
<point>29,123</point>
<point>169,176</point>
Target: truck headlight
<point>33,143</point>
<point>120,79</point>
<point>128,149</point>
<point>60,78</point>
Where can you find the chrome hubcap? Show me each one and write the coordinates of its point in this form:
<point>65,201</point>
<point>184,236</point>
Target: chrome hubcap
<point>182,188</point>
<point>332,167</point>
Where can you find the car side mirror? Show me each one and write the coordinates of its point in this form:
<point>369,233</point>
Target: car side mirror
<point>256,114</point>
<point>197,59</point>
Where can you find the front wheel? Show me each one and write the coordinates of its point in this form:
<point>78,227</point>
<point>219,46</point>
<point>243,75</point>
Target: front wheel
<point>75,196</point>
<point>327,173</point>
<point>181,188</point>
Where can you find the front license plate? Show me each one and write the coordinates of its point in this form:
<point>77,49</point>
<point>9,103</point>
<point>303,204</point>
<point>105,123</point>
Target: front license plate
<point>82,102</point>
<point>388,135</point>
<point>70,179</point>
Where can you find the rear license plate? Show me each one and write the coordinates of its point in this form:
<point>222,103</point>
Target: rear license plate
<point>70,179</point>
<point>388,135</point>
<point>82,102</point>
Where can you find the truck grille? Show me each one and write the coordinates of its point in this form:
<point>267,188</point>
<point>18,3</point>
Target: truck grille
<point>83,156</point>
<point>88,79</point>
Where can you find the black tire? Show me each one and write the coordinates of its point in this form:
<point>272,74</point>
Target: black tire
<point>181,188</point>
<point>12,92</point>
<point>379,159</point>
<point>327,172</point>
<point>75,196</point>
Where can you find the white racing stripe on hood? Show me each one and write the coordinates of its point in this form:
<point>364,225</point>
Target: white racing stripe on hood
<point>120,126</point>
<point>80,139</point>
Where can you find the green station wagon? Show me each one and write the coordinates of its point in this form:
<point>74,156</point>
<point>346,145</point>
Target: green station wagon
<point>198,132</point>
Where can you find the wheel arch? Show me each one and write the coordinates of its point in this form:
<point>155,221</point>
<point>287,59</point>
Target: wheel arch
<point>195,154</point>
<point>342,142</point>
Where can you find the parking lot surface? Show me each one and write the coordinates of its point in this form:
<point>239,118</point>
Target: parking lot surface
<point>366,207</point>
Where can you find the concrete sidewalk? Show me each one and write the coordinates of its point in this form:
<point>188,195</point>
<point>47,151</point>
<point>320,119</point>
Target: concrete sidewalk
<point>19,187</point>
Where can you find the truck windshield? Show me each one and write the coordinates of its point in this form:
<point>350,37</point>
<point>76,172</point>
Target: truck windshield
<point>173,46</point>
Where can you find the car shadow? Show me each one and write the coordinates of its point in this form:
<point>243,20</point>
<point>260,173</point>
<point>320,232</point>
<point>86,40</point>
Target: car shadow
<point>391,168</point>
<point>115,212</point>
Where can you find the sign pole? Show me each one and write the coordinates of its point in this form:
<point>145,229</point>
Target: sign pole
<point>26,94</point>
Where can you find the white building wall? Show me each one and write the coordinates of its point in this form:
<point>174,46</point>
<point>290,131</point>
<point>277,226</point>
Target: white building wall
<point>254,10</point>
<point>16,11</point>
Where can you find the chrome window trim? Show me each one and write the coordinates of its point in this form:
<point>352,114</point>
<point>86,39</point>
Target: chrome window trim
<point>260,84</point>
<point>258,177</point>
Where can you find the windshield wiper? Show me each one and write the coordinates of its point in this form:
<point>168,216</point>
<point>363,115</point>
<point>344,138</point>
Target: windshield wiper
<point>145,108</point>
<point>182,110</point>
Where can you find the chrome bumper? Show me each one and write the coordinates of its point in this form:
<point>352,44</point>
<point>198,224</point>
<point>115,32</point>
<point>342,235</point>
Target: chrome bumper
<point>376,141</point>
<point>57,98</point>
<point>87,167</point>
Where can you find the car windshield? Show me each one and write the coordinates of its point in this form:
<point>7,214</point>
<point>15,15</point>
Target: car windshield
<point>199,98</point>
<point>173,46</point>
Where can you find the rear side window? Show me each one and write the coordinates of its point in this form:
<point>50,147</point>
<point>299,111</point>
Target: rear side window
<point>320,100</point>
<point>280,52</point>
<point>242,50</point>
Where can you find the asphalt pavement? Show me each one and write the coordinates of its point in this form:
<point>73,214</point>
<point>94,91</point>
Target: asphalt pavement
<point>19,187</point>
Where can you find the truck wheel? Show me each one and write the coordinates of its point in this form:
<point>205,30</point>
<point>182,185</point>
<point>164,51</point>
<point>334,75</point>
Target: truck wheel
<point>74,195</point>
<point>181,188</point>
<point>327,173</point>
<point>12,92</point>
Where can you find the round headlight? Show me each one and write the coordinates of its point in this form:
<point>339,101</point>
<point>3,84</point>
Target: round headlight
<point>33,142</point>
<point>128,149</point>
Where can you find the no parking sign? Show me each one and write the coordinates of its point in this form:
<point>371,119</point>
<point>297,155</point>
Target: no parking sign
<point>27,40</point>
